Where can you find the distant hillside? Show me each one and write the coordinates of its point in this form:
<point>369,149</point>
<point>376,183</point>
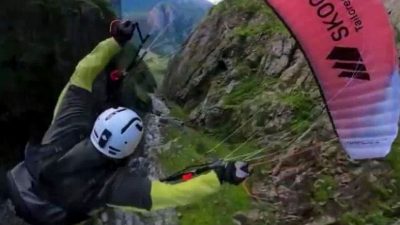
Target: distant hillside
<point>168,21</point>
<point>172,21</point>
<point>129,6</point>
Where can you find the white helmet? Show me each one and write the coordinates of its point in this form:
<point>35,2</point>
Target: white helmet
<point>117,132</point>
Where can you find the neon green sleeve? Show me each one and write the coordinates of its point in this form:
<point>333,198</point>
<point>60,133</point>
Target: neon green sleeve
<point>139,194</point>
<point>90,66</point>
<point>164,195</point>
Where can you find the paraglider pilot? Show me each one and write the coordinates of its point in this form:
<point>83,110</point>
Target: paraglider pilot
<point>77,167</point>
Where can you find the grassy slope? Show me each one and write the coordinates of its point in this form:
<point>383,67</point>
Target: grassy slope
<point>157,65</point>
<point>190,147</point>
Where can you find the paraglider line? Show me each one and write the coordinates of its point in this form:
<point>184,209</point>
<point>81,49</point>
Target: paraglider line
<point>157,37</point>
<point>241,145</point>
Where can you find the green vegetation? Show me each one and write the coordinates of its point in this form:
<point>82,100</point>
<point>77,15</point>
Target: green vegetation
<point>190,147</point>
<point>394,159</point>
<point>217,209</point>
<point>247,6</point>
<point>370,197</point>
<point>302,105</point>
<point>194,147</point>
<point>157,65</point>
<point>324,189</point>
<point>226,129</point>
<point>247,30</point>
<point>377,218</point>
<point>248,88</point>
<point>272,26</point>
<point>251,7</point>
<point>376,203</point>
<point>177,111</point>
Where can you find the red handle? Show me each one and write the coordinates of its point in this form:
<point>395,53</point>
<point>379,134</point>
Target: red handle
<point>116,75</point>
<point>187,176</point>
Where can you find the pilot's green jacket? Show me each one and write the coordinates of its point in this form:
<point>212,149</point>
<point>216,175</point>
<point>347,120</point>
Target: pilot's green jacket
<point>66,178</point>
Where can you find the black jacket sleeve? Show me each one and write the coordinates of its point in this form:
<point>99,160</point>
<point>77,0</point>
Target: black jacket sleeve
<point>75,105</point>
<point>75,115</point>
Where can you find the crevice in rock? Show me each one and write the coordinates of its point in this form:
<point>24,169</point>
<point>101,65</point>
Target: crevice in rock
<point>292,56</point>
<point>221,67</point>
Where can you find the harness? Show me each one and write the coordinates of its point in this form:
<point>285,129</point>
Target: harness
<point>38,157</point>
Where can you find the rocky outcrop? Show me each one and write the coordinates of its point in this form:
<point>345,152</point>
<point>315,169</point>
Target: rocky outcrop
<point>242,77</point>
<point>41,43</point>
<point>394,10</point>
<point>38,56</point>
<point>238,72</point>
<point>247,48</point>
<point>393,7</point>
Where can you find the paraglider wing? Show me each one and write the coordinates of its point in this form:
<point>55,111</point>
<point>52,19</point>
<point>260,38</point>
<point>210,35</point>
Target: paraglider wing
<point>350,46</point>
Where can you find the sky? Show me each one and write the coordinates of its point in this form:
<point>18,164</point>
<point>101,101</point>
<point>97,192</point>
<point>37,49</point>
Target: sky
<point>214,1</point>
<point>145,5</point>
